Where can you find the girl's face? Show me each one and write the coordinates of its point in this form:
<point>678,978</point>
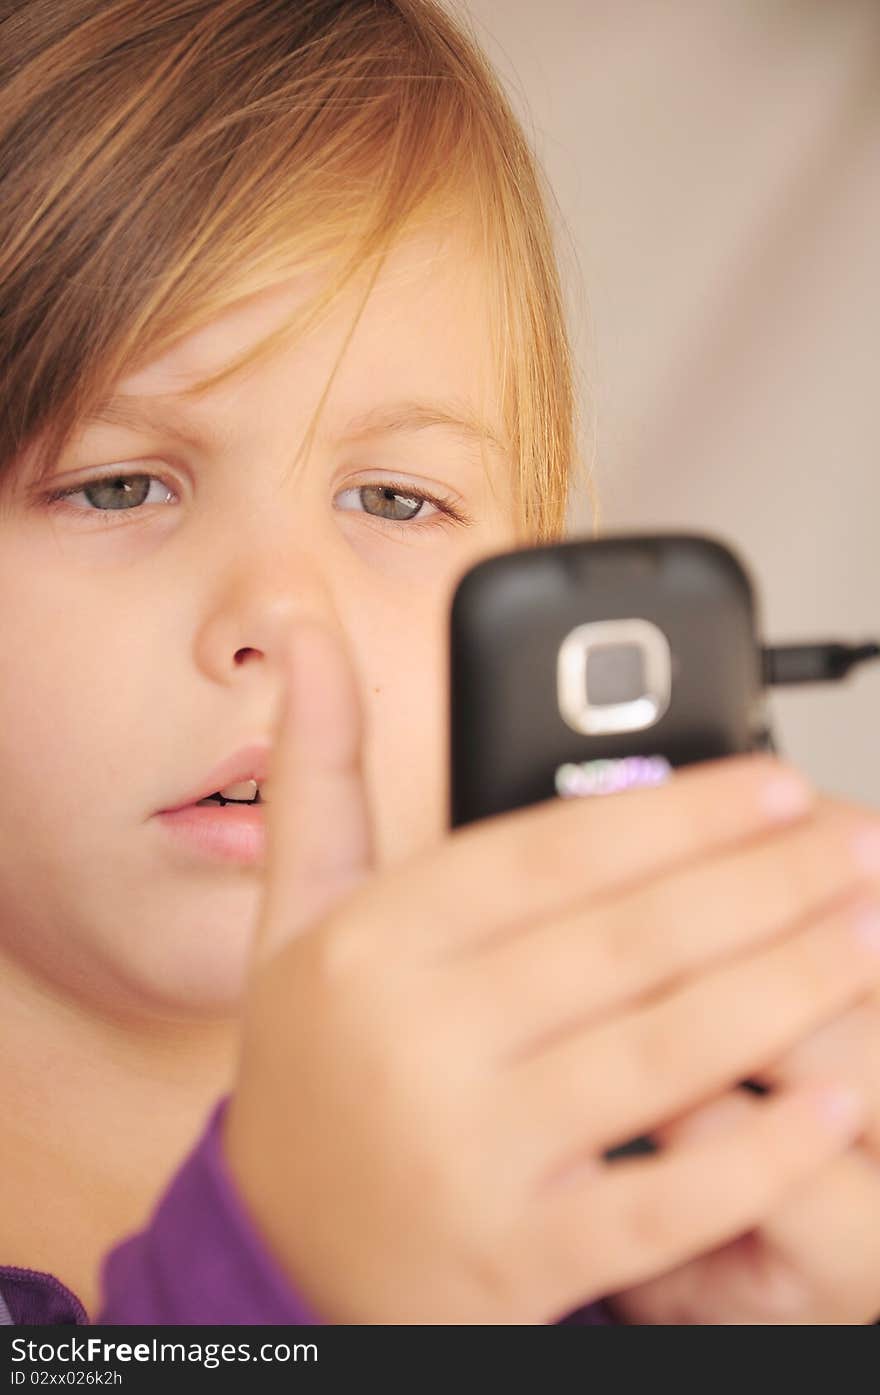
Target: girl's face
<point>121,621</point>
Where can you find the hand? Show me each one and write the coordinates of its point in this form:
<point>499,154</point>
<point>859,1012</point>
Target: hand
<point>816,1258</point>
<point>435,1058</point>
<point>848,1046</point>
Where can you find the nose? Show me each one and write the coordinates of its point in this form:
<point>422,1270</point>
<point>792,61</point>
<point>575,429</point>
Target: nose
<point>248,620</point>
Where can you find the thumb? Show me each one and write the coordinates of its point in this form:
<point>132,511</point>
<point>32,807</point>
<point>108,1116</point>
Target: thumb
<point>319,838</point>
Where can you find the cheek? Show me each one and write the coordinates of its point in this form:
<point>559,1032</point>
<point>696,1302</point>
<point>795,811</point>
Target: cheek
<point>404,695</point>
<point>38,686</point>
<point>400,646</point>
<point>74,706</point>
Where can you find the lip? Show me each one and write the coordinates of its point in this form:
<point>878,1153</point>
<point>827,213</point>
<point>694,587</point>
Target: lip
<point>236,833</point>
<point>249,763</point>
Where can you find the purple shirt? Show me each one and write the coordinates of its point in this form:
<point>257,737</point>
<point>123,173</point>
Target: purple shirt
<point>199,1261</point>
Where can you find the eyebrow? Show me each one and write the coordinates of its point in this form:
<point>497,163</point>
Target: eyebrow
<point>389,418</point>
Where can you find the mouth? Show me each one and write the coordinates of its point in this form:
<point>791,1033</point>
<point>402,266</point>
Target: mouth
<point>241,779</point>
<point>220,829</point>
<point>222,819</point>
<point>213,800</point>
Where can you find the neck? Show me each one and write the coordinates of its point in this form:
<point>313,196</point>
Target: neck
<point>98,1113</point>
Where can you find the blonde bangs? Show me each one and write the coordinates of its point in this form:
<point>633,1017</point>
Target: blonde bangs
<point>182,155</point>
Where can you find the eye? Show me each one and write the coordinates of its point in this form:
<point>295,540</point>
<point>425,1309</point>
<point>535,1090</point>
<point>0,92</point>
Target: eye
<point>401,504</point>
<point>396,503</point>
<point>111,493</point>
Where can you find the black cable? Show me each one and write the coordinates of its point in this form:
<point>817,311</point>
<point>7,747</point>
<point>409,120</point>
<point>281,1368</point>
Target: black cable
<point>820,662</point>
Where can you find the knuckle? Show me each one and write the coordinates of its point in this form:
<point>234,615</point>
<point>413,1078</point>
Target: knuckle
<point>772,884</point>
<point>643,1060</point>
<point>820,968</point>
<point>610,965</point>
<point>777,998</point>
<point>656,1060</point>
<point>814,864</point>
<point>788,874</point>
<point>542,854</point>
<point>645,1230</point>
<point>613,934</point>
<point>803,979</point>
<point>575,1256</point>
<point>568,973</point>
<point>504,1284</point>
<point>513,973</point>
<point>559,1255</point>
<point>768,1157</point>
<point>697,823</point>
<point>341,950</point>
<point>639,934</point>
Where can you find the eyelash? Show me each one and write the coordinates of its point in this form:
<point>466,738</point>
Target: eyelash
<point>445,505</point>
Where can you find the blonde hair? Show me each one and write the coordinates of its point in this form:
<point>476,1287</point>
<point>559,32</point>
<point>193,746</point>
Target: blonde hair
<point>162,159</point>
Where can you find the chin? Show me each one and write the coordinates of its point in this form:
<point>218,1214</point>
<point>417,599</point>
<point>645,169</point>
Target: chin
<point>188,977</point>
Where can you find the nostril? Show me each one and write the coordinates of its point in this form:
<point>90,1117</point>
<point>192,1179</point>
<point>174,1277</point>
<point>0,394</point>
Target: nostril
<point>242,654</point>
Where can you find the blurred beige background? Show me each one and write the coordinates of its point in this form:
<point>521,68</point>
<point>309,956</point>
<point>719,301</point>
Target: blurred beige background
<point>717,169</point>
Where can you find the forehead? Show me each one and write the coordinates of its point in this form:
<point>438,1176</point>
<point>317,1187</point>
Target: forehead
<point>418,356</point>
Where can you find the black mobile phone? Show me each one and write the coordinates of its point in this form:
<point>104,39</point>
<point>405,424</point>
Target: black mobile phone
<point>591,666</point>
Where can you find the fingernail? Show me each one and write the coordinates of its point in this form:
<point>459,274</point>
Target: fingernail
<point>866,925</point>
<point>866,846</point>
<point>841,1108</point>
<point>785,795</point>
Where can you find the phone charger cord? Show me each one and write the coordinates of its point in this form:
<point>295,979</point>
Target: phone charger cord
<point>819,662</point>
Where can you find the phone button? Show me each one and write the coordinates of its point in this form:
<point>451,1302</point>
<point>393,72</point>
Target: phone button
<point>613,676</point>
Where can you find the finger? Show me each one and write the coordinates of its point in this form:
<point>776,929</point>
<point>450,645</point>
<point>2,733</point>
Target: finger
<point>596,1088</point>
<point>600,1231</point>
<point>847,1048</point>
<point>819,1248</point>
<point>725,1112</point>
<point>558,973</point>
<point>828,1230</point>
<point>751,1279</point>
<point>546,858</point>
<point>742,1280</point>
<point>846,808</point>
<point>318,824</point>
<point>868,815</point>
